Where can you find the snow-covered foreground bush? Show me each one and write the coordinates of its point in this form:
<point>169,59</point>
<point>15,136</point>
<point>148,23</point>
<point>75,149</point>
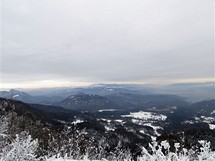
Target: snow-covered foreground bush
<point>158,153</point>
<point>162,153</point>
<point>20,148</point>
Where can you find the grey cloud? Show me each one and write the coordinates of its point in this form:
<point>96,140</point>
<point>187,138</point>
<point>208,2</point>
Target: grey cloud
<point>106,40</point>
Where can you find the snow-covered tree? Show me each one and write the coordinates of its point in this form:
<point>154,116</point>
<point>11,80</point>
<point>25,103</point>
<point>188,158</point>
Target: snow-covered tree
<point>20,148</point>
<point>184,155</point>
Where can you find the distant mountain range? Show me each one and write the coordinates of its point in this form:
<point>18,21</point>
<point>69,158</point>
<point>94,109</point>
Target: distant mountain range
<point>191,92</point>
<point>116,96</point>
<point>94,102</point>
<point>129,101</point>
<point>27,98</point>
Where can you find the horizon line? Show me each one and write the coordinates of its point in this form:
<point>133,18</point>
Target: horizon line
<point>67,84</point>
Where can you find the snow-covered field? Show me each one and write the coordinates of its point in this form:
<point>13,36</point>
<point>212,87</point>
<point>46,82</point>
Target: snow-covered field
<point>209,120</point>
<point>147,119</point>
<point>108,110</point>
<point>146,116</point>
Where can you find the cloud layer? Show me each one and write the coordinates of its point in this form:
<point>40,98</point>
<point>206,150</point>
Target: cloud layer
<point>106,41</point>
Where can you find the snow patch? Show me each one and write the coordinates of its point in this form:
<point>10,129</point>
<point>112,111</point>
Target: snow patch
<point>16,95</point>
<point>142,131</point>
<point>120,121</point>
<point>155,128</point>
<point>77,122</point>
<point>107,110</point>
<point>106,120</point>
<point>207,119</point>
<point>213,112</point>
<point>211,126</point>
<point>109,128</point>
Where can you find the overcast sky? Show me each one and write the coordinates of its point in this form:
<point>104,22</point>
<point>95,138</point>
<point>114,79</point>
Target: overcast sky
<point>78,42</point>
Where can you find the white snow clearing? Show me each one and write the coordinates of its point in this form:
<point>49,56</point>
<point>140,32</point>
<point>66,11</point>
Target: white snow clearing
<point>146,116</point>
<point>107,110</point>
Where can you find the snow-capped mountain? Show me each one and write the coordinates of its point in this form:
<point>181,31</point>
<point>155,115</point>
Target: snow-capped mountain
<point>15,94</point>
<point>27,98</point>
